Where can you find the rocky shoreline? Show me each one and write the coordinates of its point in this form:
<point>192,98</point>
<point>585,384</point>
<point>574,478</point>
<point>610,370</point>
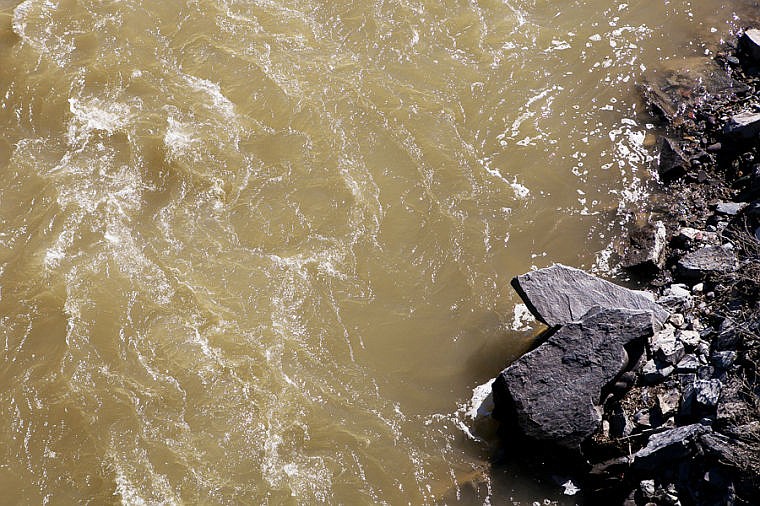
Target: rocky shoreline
<point>654,397</point>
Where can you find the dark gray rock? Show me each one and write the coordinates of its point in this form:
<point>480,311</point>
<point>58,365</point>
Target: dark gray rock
<point>706,261</point>
<point>749,45</point>
<point>744,125</point>
<point>673,163</point>
<point>723,359</point>
<point>559,294</point>
<point>669,446</point>
<point>646,245</point>
<point>553,392</point>
<point>620,423</point>
<point>730,208</point>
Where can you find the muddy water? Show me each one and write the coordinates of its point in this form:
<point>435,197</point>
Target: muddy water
<point>259,251</point>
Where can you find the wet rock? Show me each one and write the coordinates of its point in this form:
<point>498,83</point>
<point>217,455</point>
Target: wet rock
<point>673,163</point>
<point>559,294</point>
<point>646,245</point>
<point>669,446</point>
<point>749,45</point>
<point>706,261</point>
<point>730,208</point>
<point>553,393</point>
<point>743,126</point>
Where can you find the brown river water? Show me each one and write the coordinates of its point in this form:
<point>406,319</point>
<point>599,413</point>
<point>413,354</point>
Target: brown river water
<point>259,251</point>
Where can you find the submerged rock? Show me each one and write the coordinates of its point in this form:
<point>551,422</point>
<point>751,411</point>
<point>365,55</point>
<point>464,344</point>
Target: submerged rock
<point>559,294</point>
<point>553,393</point>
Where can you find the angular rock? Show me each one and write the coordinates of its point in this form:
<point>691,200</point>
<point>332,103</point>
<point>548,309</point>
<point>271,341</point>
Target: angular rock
<point>687,236</point>
<point>559,294</point>
<point>707,393</point>
<point>673,162</point>
<point>723,359</point>
<point>690,338</point>
<point>553,392</point>
<point>749,45</point>
<point>620,423</point>
<point>730,208</point>
<point>744,125</point>
<point>668,402</point>
<point>689,363</point>
<point>647,244</point>
<point>653,372</point>
<point>669,446</point>
<point>665,347</point>
<point>677,320</point>
<point>708,260</point>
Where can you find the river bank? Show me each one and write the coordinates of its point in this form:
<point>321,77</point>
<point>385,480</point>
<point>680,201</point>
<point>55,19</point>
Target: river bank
<point>679,422</point>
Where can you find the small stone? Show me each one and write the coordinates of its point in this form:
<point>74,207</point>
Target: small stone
<point>730,208</point>
<point>687,236</point>
<point>703,348</point>
<point>689,363</point>
<point>690,338</point>
<point>714,148</point>
<point>666,347</point>
<point>668,402</point>
<point>653,373</point>
<point>677,320</point>
<point>698,288</point>
<point>646,245</point>
<point>647,489</point>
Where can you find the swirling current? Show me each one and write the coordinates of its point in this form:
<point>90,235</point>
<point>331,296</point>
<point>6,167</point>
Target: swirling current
<point>259,251</point>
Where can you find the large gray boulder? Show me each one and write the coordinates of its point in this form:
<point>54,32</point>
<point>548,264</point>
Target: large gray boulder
<point>559,294</point>
<point>553,393</point>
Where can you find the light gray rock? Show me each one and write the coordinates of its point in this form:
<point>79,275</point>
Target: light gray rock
<point>689,363</point>
<point>744,125</point>
<point>668,402</point>
<point>730,208</point>
<point>677,320</point>
<point>559,294</point>
<point>690,338</point>
<point>553,393</point>
<point>653,373</point>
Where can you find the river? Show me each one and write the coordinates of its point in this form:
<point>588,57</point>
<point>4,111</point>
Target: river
<point>259,251</point>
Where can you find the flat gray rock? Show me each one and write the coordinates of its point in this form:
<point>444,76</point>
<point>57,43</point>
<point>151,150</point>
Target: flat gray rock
<point>744,125</point>
<point>705,261</point>
<point>553,392</point>
<point>559,294</point>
